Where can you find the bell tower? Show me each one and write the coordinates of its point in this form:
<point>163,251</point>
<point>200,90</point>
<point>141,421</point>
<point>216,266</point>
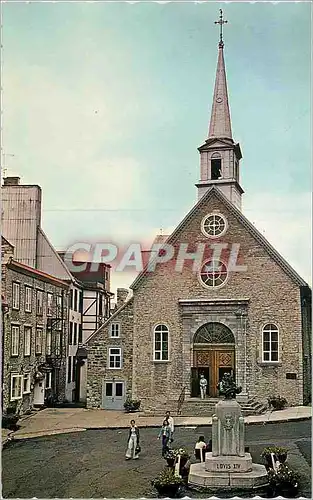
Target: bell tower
<point>219,155</point>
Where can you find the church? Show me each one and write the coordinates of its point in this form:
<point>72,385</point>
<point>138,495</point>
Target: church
<point>242,310</point>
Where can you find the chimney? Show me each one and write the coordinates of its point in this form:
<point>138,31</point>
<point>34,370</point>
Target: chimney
<point>11,181</point>
<point>121,296</point>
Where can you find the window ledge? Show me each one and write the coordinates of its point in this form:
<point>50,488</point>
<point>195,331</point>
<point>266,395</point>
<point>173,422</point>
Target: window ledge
<point>270,364</point>
<point>160,361</point>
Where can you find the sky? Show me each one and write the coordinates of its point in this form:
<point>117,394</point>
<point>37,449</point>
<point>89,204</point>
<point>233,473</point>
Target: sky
<point>105,104</point>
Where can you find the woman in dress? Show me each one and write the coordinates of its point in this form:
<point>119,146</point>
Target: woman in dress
<point>165,433</point>
<point>133,448</point>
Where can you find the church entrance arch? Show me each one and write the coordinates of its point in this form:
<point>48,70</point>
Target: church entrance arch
<point>213,355</point>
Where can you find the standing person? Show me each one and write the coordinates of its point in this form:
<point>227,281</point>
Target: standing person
<point>203,386</point>
<point>133,447</point>
<point>200,449</point>
<point>171,424</point>
<point>165,434</point>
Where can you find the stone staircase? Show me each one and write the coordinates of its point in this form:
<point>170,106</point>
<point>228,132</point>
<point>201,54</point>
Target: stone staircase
<point>196,407</point>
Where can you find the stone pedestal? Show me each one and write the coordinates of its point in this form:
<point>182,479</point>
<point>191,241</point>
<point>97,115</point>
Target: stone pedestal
<point>256,478</point>
<point>228,466</point>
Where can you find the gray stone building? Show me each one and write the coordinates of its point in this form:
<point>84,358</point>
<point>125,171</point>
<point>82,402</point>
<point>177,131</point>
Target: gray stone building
<point>226,301</point>
<point>34,335</point>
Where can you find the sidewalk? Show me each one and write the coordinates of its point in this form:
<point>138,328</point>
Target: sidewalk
<point>63,420</point>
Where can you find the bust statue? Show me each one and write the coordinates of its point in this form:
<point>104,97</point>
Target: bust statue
<point>228,388</point>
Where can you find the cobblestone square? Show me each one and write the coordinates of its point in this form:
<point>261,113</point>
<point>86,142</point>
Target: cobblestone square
<point>92,464</point>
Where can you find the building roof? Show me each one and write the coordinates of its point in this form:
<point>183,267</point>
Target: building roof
<point>272,252</point>
<point>6,242</point>
<point>24,269</point>
<point>91,274</point>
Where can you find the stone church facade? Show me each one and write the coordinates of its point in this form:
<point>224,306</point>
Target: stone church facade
<point>225,302</point>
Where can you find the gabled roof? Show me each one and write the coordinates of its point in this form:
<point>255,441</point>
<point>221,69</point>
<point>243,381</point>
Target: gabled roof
<point>109,319</point>
<point>244,221</point>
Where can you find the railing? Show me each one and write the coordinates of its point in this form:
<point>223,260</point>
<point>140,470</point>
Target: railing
<point>181,400</point>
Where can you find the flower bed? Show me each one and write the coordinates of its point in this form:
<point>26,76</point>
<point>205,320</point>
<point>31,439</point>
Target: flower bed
<point>284,481</point>
<point>167,484</point>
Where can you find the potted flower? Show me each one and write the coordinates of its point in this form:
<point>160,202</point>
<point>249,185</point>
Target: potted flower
<point>131,405</point>
<point>280,455</point>
<point>284,481</point>
<point>170,457</point>
<point>11,417</point>
<point>167,484</point>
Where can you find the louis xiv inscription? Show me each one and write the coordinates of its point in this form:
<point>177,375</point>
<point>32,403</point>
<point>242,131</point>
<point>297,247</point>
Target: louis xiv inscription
<point>227,467</point>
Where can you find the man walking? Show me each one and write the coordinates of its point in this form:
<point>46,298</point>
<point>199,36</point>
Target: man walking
<point>203,386</point>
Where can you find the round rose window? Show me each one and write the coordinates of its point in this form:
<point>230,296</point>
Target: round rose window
<point>213,273</point>
<point>214,225</point>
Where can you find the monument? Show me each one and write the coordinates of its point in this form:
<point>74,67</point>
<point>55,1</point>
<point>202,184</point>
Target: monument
<point>228,466</point>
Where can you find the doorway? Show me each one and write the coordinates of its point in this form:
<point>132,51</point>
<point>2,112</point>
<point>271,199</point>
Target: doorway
<point>219,360</point>
<point>113,396</point>
<point>39,393</point>
<point>213,355</point>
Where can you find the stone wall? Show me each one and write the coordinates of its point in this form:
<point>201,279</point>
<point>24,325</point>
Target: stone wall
<point>252,297</point>
<point>29,364</point>
<point>273,298</point>
<point>97,348</point>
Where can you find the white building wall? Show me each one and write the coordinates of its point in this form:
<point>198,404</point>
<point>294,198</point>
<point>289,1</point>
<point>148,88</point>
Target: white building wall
<point>89,319</point>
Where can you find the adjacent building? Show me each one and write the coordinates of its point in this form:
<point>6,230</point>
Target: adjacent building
<point>89,292</point>
<point>34,334</point>
<point>89,309</point>
<point>226,301</point>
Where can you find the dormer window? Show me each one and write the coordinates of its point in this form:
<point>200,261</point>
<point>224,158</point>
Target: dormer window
<point>216,167</point>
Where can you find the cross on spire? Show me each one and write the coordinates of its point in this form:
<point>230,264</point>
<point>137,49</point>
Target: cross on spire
<point>221,21</point>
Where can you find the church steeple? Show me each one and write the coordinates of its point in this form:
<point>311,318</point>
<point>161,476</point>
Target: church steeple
<point>219,155</point>
<point>220,125</point>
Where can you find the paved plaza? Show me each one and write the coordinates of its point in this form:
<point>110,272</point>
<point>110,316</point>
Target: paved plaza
<point>92,464</point>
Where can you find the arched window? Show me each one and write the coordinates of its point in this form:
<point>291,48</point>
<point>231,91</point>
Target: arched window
<point>216,166</point>
<point>214,333</point>
<point>270,337</point>
<point>160,341</point>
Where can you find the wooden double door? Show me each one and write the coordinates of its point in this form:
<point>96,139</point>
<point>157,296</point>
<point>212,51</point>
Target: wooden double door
<point>213,362</point>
